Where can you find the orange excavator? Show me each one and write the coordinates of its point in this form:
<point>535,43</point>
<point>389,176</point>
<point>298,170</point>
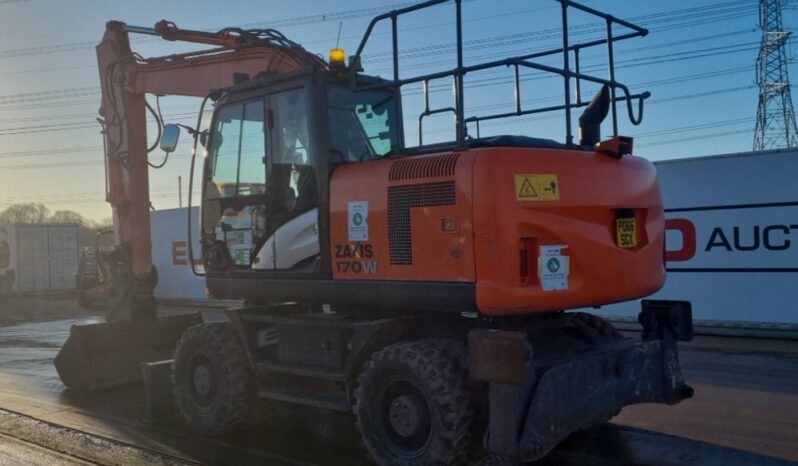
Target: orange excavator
<point>421,287</point>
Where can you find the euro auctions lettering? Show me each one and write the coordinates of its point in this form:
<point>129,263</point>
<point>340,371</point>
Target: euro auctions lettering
<point>180,254</point>
<point>751,238</point>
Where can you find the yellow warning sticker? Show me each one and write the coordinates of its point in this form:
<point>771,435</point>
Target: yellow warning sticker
<point>537,187</point>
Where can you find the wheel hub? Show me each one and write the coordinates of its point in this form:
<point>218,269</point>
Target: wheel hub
<point>407,415</point>
<point>202,380</point>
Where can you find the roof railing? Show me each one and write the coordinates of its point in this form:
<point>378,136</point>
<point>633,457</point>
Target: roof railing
<point>522,61</point>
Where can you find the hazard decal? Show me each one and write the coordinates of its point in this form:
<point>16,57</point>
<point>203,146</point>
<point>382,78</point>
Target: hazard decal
<point>537,187</point>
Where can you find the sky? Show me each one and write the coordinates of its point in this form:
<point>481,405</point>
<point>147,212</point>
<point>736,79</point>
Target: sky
<point>698,62</point>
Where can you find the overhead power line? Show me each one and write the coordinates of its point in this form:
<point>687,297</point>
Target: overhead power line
<point>695,138</point>
<point>58,104</point>
<point>83,163</point>
<point>59,151</point>
<point>470,84</point>
<point>493,42</point>
<point>88,196</point>
<point>631,62</point>
<point>722,8</point>
<point>68,164</point>
<point>677,130</point>
<point>695,127</point>
<point>285,22</point>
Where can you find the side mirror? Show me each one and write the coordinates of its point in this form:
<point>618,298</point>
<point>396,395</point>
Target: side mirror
<point>203,138</point>
<point>169,138</point>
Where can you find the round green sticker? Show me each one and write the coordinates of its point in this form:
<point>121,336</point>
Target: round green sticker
<point>553,264</point>
<point>357,219</point>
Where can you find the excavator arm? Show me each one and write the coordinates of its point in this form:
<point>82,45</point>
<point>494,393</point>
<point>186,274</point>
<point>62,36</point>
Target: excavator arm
<point>125,79</point>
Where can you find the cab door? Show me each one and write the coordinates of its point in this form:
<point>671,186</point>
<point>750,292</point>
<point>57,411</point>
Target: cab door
<point>292,242</point>
<point>235,197</point>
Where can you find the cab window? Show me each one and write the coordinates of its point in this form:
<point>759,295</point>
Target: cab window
<point>239,146</point>
<point>363,124</point>
<point>233,211</point>
<point>293,174</point>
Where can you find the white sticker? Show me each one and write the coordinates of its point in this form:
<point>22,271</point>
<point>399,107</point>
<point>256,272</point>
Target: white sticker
<point>358,220</point>
<point>553,267</point>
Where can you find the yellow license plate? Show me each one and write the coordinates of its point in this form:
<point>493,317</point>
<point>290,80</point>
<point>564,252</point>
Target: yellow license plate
<point>626,232</point>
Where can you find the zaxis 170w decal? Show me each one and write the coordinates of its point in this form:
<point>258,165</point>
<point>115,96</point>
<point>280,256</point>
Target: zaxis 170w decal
<point>355,258</point>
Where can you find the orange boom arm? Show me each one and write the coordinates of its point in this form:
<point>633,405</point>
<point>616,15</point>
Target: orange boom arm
<point>126,78</point>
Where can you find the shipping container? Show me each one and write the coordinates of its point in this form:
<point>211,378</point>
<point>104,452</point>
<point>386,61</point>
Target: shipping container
<point>38,258</point>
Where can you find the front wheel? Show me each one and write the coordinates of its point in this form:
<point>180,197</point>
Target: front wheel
<point>214,386</point>
<point>415,405</point>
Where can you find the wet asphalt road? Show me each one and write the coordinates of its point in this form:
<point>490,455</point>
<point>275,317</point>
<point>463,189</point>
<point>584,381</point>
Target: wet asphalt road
<point>21,453</point>
<point>746,399</point>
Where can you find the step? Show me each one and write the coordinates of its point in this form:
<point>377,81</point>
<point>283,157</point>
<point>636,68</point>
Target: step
<point>303,371</point>
<point>337,404</point>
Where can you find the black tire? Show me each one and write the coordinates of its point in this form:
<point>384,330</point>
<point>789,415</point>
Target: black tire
<point>213,383</point>
<point>495,460</point>
<point>415,406</point>
<point>597,323</point>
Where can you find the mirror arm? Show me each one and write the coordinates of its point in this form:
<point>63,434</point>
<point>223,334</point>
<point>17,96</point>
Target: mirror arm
<point>189,129</point>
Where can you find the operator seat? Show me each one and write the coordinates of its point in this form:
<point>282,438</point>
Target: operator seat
<point>306,185</point>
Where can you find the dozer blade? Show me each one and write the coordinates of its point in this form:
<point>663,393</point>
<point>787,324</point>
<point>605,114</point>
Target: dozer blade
<point>99,356</point>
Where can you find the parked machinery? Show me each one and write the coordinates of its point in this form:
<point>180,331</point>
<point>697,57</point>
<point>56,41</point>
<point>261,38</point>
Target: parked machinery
<point>422,289</point>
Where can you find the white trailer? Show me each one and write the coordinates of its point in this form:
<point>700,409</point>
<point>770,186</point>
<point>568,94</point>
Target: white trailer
<point>38,258</point>
<point>170,254</point>
<point>732,238</point>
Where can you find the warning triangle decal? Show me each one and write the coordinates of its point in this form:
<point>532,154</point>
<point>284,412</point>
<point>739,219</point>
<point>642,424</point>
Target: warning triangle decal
<point>527,190</point>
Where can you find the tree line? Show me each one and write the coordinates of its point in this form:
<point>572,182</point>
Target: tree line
<point>39,213</point>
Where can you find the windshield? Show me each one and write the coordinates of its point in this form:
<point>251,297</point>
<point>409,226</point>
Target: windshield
<point>363,124</point>
<point>237,149</point>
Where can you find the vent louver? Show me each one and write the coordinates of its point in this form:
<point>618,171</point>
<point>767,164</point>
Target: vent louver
<point>424,167</point>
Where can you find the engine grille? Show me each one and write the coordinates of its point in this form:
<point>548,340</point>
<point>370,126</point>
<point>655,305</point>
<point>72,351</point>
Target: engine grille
<point>403,198</point>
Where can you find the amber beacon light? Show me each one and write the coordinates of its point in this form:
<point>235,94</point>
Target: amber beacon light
<point>337,57</point>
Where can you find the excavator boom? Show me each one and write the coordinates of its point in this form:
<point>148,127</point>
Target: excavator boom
<point>106,355</point>
<point>125,79</point>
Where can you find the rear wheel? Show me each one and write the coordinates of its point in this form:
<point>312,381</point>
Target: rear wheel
<point>213,384</point>
<point>414,404</point>
<point>495,460</point>
<point>597,323</point>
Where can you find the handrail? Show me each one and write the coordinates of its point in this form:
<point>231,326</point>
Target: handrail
<point>459,72</point>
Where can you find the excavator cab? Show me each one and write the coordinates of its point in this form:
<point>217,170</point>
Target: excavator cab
<point>271,148</point>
